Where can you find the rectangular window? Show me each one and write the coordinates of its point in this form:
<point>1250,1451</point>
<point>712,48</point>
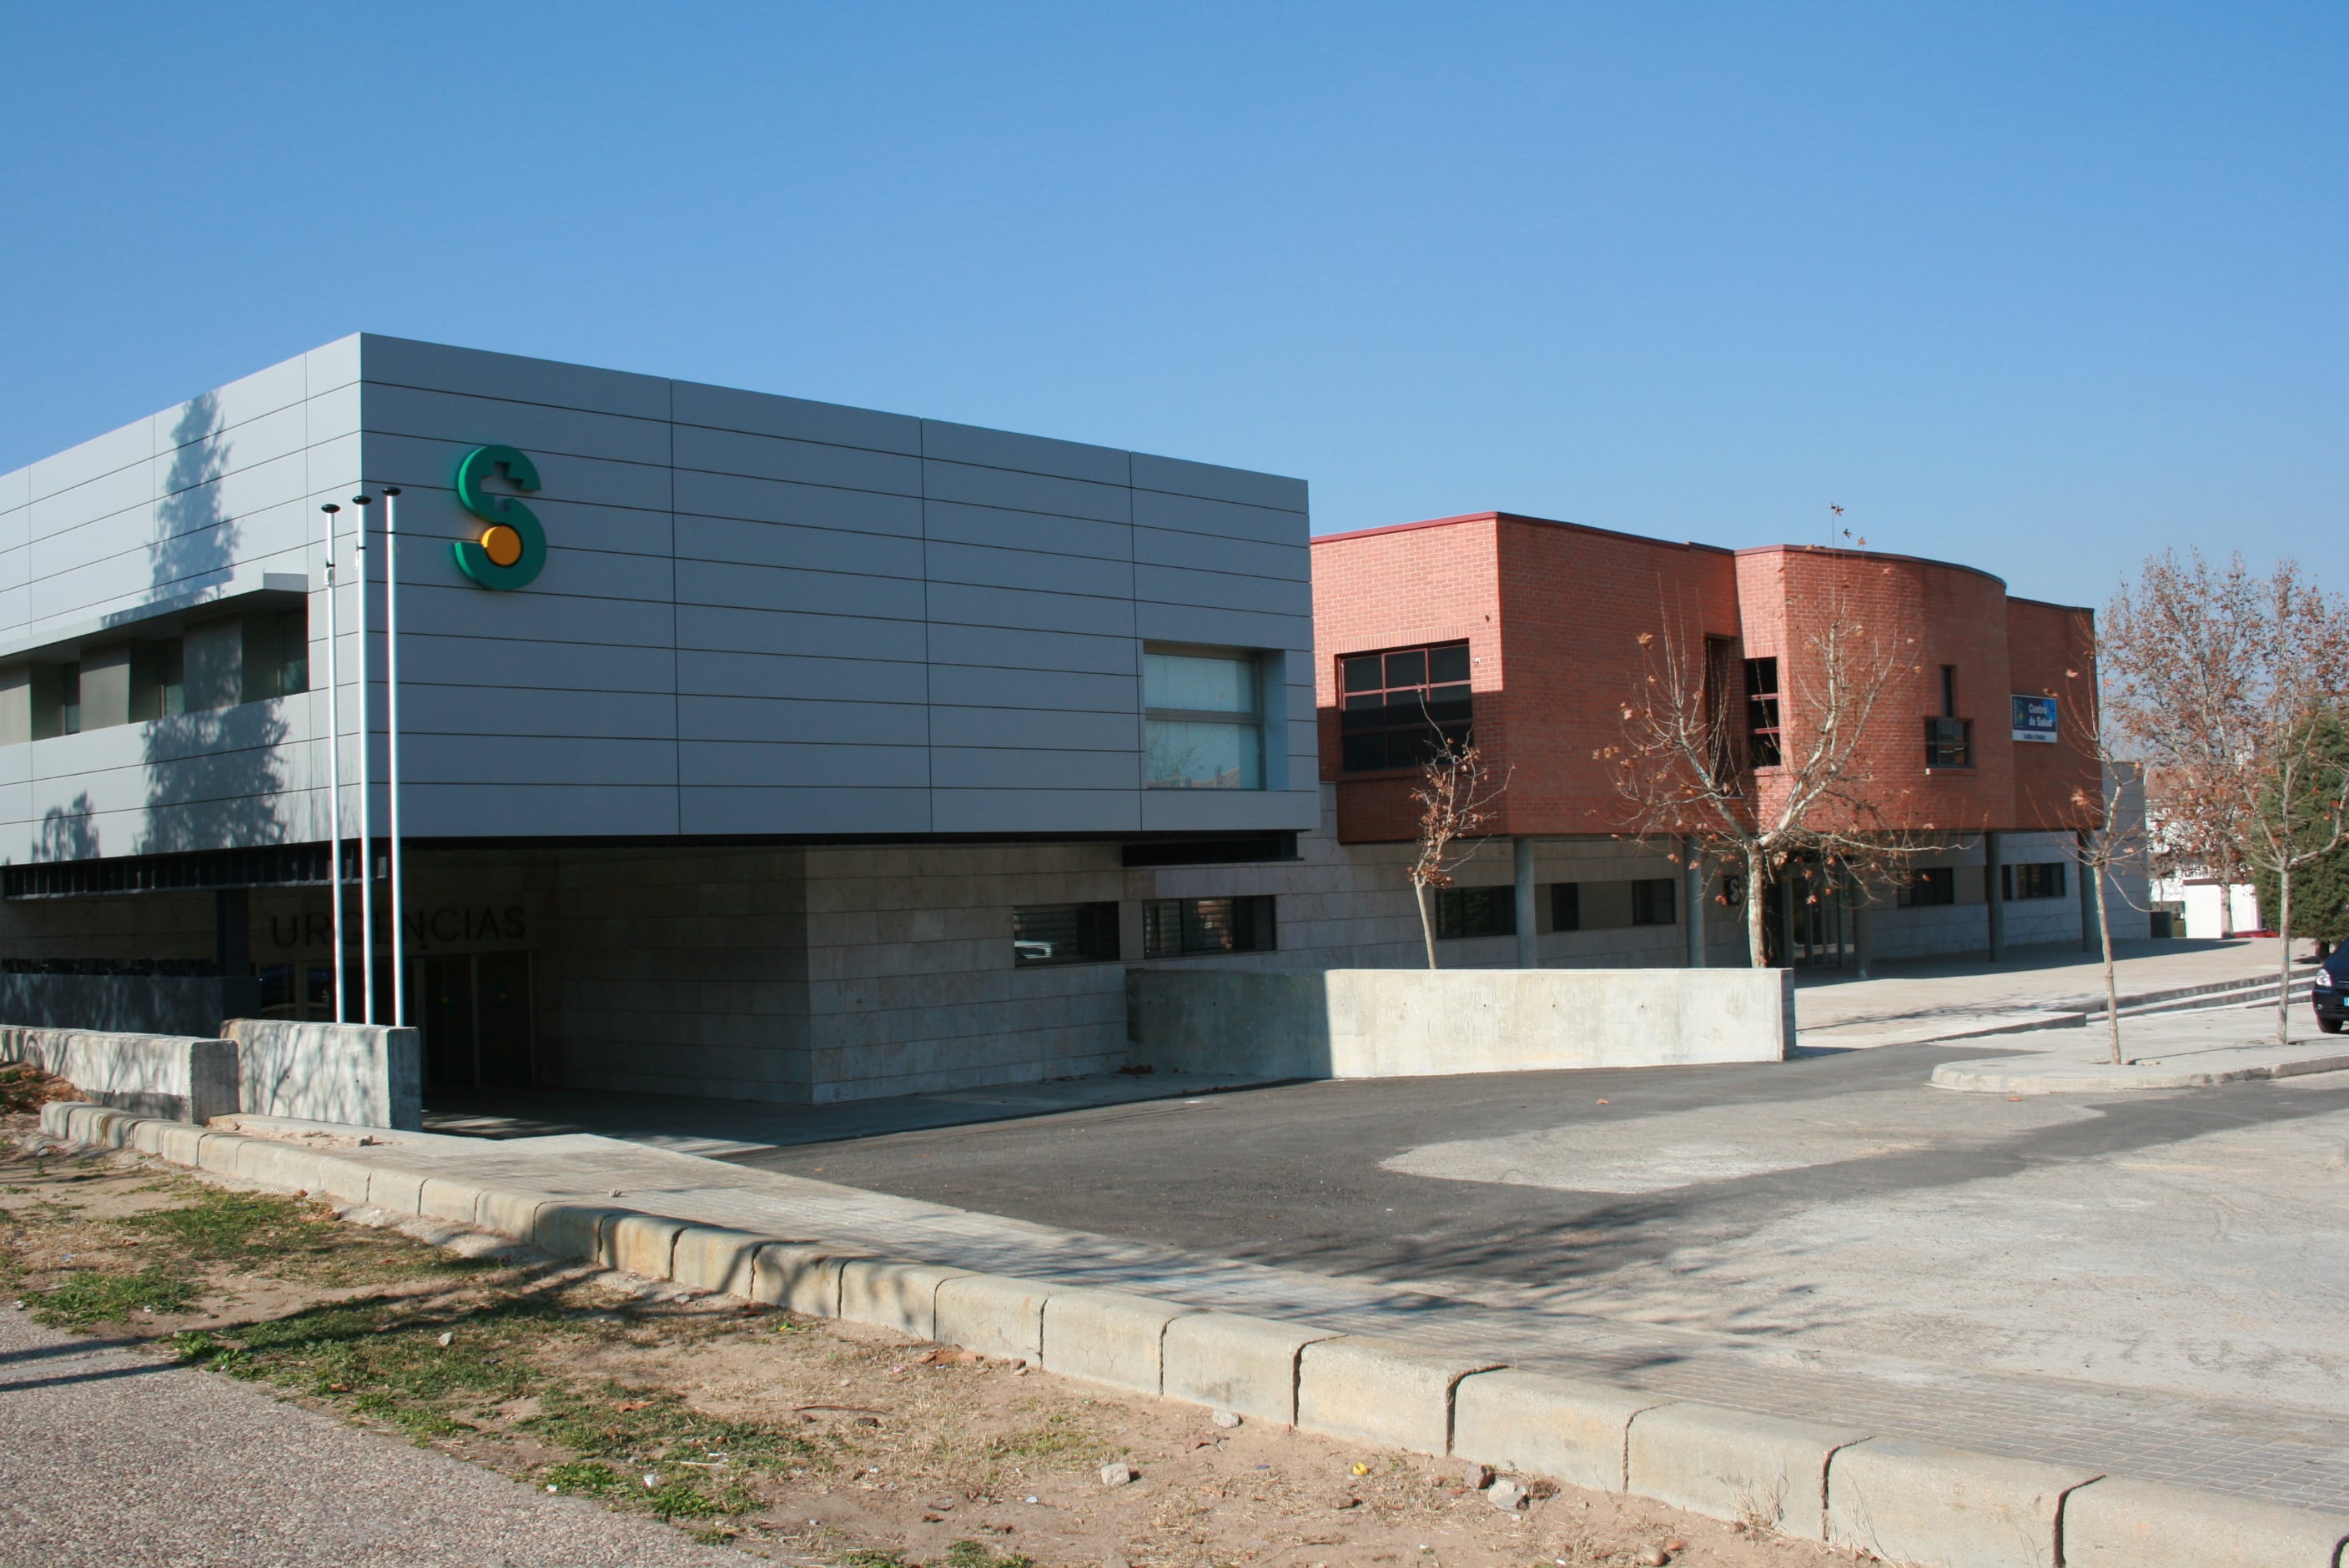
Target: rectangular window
<point>1396,708</point>
<point>1204,724</point>
<point>1722,735</point>
<point>1948,691</point>
<point>69,700</point>
<point>1654,901</point>
<point>2045,880</point>
<point>1948,743</point>
<point>294,651</point>
<point>1566,906</point>
<point>1762,730</point>
<point>1176,927</point>
<point>171,679</point>
<point>1930,886</point>
<point>1064,933</point>
<point>1463,911</point>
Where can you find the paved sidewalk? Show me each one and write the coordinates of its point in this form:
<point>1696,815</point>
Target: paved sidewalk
<point>1913,1001</point>
<point>717,1128</point>
<point>112,1458</point>
<point>2295,1457</point>
<point>2188,1050</point>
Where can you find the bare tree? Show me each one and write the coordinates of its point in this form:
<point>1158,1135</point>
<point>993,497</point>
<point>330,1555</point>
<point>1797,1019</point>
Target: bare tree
<point>2223,679</point>
<point>1456,796</point>
<point>2108,835</point>
<point>1688,771</point>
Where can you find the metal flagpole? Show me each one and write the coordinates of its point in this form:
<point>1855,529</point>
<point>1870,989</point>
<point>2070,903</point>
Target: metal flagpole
<point>335,763</point>
<point>391,740</point>
<point>367,783</point>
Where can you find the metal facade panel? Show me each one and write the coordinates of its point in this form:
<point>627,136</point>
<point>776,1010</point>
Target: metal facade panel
<point>767,414</point>
<point>1208,481</point>
<point>755,614</point>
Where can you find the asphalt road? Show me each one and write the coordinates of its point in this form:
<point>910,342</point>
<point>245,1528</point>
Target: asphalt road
<point>110,1456</point>
<point>2193,1241</point>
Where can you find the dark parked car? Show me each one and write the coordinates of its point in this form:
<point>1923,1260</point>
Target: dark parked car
<point>2331,992</point>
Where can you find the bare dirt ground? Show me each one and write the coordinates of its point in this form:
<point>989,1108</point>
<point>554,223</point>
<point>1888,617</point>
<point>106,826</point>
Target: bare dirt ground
<point>789,1437</point>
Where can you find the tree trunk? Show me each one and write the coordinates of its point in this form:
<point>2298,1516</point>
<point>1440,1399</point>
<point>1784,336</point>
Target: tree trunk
<point>2284,942</point>
<point>1757,949</point>
<point>2105,940</point>
<point>1426,924</point>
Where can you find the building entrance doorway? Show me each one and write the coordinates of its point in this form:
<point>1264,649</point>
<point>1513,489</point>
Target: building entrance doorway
<point>1808,922</point>
<point>474,1009</point>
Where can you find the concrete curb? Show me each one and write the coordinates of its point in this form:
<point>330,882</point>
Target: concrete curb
<point>1906,1502</point>
<point>1988,1077</point>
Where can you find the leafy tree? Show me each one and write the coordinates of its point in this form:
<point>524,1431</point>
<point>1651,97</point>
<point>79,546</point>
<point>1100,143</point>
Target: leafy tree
<point>2320,887</point>
<point>2223,679</point>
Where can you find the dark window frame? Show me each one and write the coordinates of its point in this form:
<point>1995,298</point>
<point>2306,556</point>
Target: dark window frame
<point>1765,726</point>
<point>1948,743</point>
<point>1089,932</point>
<point>1647,892</point>
<point>1566,906</point>
<point>1395,725</point>
<point>1465,914</point>
<point>1929,887</point>
<point>1197,927</point>
<point>2037,879</point>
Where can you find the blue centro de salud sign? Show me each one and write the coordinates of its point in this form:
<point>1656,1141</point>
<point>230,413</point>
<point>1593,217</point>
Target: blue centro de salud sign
<point>2034,719</point>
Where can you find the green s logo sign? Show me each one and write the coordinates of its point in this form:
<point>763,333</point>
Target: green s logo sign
<point>512,547</point>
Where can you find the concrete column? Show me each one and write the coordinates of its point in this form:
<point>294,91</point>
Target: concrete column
<point>2088,943</point>
<point>1994,906</point>
<point>1692,896</point>
<point>1863,949</point>
<point>1529,926</point>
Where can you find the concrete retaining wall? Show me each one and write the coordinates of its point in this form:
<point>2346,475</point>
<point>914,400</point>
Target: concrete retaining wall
<point>360,1075</point>
<point>181,1077</point>
<point>133,1003</point>
<point>1402,1023</point>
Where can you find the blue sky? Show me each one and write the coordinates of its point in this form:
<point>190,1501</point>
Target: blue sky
<point>2038,288</point>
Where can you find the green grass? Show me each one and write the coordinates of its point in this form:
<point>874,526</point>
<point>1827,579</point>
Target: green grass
<point>290,1237</point>
<point>587,1476</point>
<point>976,1555</point>
<point>1058,1438</point>
<point>89,1297</point>
<point>378,1360</point>
<point>661,1427</point>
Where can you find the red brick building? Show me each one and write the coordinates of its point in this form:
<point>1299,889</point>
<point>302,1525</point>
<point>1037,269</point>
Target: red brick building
<point>1530,633</point>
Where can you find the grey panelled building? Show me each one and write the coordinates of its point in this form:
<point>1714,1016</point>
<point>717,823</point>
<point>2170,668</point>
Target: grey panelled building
<point>818,749</point>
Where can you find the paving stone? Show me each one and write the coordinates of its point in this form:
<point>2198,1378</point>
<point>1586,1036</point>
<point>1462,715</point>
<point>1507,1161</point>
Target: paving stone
<point>1735,1465</point>
<point>1946,1508</point>
<point>1567,1428</point>
<point>2113,1523</point>
<point>902,1296</point>
<point>715,1258</point>
<point>992,1316</point>
<point>1240,1366</point>
<point>1107,1337</point>
<point>1382,1391</point>
<point>797,1278</point>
